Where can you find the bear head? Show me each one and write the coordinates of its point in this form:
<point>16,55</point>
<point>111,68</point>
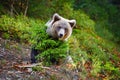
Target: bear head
<point>59,27</point>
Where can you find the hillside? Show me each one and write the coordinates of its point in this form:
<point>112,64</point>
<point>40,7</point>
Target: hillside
<point>94,45</point>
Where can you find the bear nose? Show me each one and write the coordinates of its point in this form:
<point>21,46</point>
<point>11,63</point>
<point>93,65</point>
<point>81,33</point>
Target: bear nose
<point>61,35</point>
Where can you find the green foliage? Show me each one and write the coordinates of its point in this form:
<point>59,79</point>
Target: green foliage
<point>45,8</point>
<point>14,28</point>
<point>86,46</point>
<point>83,20</point>
<point>19,28</point>
<point>50,50</point>
<point>105,15</point>
<point>34,31</point>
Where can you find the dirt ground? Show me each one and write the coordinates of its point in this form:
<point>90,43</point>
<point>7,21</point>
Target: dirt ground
<point>13,54</point>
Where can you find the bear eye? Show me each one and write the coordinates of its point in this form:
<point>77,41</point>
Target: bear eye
<point>65,29</point>
<point>59,27</point>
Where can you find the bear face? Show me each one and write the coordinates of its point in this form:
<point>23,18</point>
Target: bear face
<point>59,27</point>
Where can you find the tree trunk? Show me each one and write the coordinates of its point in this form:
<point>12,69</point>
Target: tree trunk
<point>25,13</point>
<point>11,10</point>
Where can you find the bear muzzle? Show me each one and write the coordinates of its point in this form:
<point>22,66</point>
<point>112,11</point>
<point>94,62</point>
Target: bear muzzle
<point>61,33</point>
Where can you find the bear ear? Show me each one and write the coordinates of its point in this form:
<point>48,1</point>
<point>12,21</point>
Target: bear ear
<point>72,23</point>
<point>56,17</point>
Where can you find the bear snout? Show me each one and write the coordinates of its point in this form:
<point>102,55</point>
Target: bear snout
<point>61,35</point>
<point>61,32</point>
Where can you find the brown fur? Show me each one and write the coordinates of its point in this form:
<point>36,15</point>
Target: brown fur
<point>65,25</point>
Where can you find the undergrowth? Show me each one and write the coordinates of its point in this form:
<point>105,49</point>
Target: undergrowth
<point>15,28</point>
<point>50,51</point>
<point>84,45</point>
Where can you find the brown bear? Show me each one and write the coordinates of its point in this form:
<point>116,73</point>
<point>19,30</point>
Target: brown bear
<point>59,27</point>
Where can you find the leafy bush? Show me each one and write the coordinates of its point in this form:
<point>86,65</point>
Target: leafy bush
<point>51,51</point>
<point>15,28</point>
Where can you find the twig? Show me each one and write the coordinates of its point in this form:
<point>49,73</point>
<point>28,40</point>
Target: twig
<point>28,66</point>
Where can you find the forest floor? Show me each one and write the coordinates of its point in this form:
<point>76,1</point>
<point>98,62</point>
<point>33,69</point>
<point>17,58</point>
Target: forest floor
<point>13,54</point>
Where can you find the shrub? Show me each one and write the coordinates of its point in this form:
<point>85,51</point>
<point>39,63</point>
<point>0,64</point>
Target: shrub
<point>50,50</point>
<point>15,28</point>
